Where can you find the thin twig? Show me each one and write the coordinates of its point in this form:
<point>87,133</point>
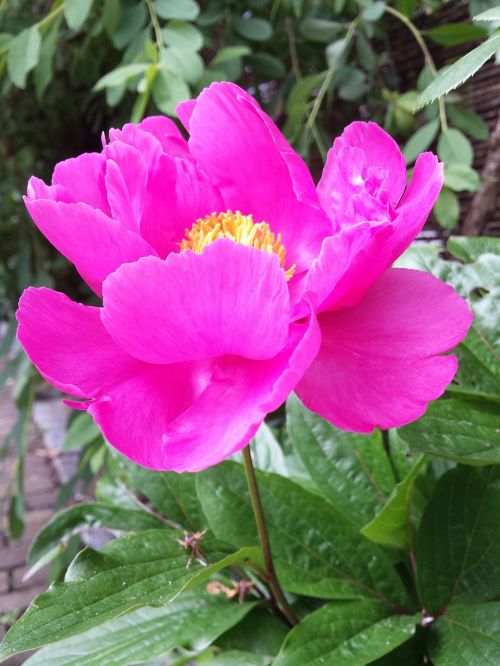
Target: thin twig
<point>427,56</point>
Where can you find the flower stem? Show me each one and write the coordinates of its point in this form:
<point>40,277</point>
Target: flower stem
<point>427,56</point>
<point>272,580</point>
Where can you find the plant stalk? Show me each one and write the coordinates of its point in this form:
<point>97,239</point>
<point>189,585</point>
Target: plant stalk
<point>427,57</point>
<point>272,580</point>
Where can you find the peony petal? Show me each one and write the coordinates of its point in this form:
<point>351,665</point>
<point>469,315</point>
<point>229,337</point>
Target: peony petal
<point>231,299</point>
<point>178,193</point>
<point>184,111</point>
<point>352,260</point>
<point>382,157</point>
<point>69,345</point>
<point>232,143</point>
<point>126,181</point>
<point>376,366</point>
<point>167,132</point>
<point>37,189</point>
<point>95,243</point>
<point>418,200</point>
<point>83,176</point>
<point>189,416</point>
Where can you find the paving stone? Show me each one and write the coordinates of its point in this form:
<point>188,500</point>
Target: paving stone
<point>4,581</point>
<point>19,600</point>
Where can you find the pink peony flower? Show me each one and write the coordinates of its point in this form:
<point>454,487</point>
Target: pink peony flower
<point>211,317</point>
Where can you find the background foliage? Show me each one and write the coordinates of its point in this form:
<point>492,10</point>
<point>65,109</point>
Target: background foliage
<point>388,546</point>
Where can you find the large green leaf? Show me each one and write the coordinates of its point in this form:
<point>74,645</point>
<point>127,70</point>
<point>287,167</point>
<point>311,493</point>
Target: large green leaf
<point>51,539</point>
<point>317,551</point>
<point>24,50</point>
<point>193,620</point>
<point>352,471</point>
<point>467,635</point>
<point>144,569</point>
<point>458,544</point>
<point>171,494</point>
<point>466,431</point>
<point>350,633</point>
<point>391,525</point>
<point>454,75</point>
<point>492,14</point>
<point>260,632</point>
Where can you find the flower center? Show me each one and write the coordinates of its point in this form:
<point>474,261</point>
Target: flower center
<point>238,228</point>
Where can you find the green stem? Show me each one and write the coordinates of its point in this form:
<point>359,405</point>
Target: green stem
<point>327,81</point>
<point>258,511</point>
<point>427,57</point>
<point>156,25</point>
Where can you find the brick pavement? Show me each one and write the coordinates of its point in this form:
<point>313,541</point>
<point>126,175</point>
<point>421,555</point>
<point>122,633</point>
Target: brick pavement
<point>41,488</point>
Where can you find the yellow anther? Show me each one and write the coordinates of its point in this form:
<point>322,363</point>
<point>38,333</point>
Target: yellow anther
<point>238,228</point>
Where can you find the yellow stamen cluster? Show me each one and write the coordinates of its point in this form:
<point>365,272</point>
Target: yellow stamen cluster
<point>238,228</point>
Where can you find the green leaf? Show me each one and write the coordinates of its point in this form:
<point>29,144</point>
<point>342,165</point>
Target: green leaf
<point>461,178</point>
<point>23,55</point>
<point>447,209</point>
<point>457,429</point>
<point>120,75</point>
<point>169,90</point>
<point>470,248</point>
<point>193,621</point>
<point>50,540</point>
<point>296,104</point>
<point>185,10</point>
<point>132,18</point>
<point>235,658</point>
<point>391,525</point>
<point>254,29</point>
<point>374,11</point>
<point>43,70</point>
<point>82,430</point>
<point>351,633</point>
<point>454,34</point>
<point>320,30</point>
<point>467,635</point>
<point>183,36</point>
<point>352,471</point>
<point>144,569</point>
<point>317,551</point>
<point>453,76</point>
<point>420,141</point>
<point>469,122</point>
<point>267,65</point>
<point>458,545</point>
<point>351,83</point>
<point>230,53</point>
<point>492,14</point>
<point>184,66</point>
<point>260,632</point>
<point>454,148</point>
<point>76,12</point>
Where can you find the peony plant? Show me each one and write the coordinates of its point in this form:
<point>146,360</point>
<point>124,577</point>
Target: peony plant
<point>227,281</point>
